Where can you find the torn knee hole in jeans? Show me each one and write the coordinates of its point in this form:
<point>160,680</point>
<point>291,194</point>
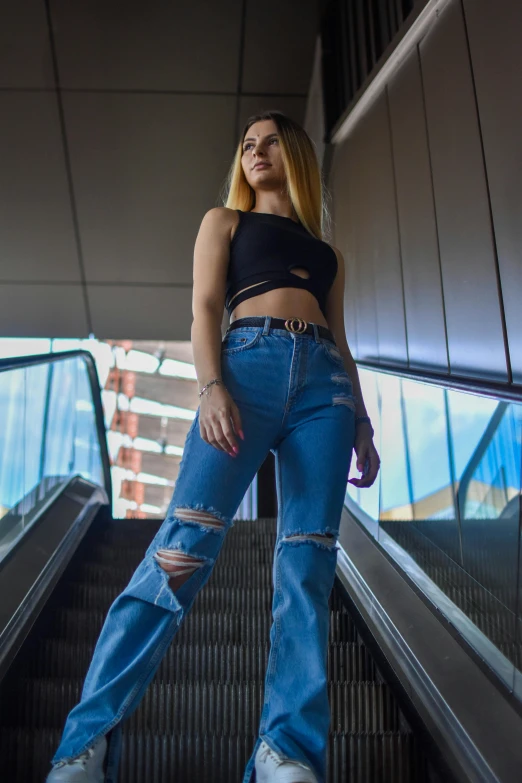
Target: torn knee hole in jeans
<point>178,565</point>
<point>342,400</point>
<point>200,517</point>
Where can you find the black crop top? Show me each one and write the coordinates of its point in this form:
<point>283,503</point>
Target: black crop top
<point>263,250</point>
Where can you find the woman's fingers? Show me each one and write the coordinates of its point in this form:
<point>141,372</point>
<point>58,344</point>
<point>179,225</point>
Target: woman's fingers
<point>220,421</point>
<point>371,464</point>
<point>220,435</point>
<point>236,421</point>
<point>229,437</point>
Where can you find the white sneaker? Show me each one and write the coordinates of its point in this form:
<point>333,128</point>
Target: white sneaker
<point>85,768</point>
<point>271,768</point>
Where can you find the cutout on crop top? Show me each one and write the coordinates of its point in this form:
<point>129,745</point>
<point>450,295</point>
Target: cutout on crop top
<point>294,270</point>
<point>266,246</point>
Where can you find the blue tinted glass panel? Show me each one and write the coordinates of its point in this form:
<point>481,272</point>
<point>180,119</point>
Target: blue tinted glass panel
<point>59,447</point>
<point>87,448</point>
<point>368,498</point>
<point>12,394</point>
<point>450,493</point>
<point>48,434</point>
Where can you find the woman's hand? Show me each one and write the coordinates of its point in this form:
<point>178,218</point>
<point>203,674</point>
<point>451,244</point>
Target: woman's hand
<point>219,420</point>
<point>366,455</point>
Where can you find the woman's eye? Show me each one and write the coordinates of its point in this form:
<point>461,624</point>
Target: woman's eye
<point>249,145</point>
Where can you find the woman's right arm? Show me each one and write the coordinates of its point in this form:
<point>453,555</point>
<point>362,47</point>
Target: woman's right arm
<point>219,416</point>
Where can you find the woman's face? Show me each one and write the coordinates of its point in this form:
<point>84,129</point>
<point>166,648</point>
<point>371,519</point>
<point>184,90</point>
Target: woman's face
<point>261,146</point>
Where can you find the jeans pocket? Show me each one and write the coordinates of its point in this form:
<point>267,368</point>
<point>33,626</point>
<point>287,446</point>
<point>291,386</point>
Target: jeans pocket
<point>239,340</point>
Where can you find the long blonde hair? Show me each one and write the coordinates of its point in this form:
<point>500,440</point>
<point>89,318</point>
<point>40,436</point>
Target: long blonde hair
<point>304,181</point>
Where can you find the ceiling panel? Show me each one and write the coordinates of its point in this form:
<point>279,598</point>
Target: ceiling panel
<point>25,48</point>
<point>38,310</point>
<point>114,196</point>
<point>36,229</point>
<point>131,45</point>
<point>146,168</point>
<point>140,312</point>
<point>279,46</point>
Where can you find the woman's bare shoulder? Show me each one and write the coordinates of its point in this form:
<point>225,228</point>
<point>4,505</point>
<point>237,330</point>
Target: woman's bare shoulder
<point>222,219</point>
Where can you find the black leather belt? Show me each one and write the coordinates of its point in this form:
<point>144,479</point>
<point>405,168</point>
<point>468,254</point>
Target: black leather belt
<point>295,325</point>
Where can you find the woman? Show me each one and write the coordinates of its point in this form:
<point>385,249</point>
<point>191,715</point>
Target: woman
<point>282,379</point>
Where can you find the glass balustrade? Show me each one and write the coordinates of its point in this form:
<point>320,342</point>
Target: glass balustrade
<point>446,505</point>
<point>48,433</point>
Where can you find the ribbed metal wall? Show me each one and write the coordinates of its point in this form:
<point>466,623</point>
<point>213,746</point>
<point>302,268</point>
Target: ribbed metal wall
<point>427,190</point>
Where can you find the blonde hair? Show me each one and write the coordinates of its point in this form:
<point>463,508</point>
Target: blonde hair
<point>304,181</point>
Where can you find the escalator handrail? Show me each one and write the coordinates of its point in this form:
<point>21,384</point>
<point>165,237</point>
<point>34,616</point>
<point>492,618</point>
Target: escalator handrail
<point>511,392</point>
<point>19,362</point>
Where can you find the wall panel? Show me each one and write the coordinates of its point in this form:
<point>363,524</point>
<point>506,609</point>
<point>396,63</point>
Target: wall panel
<point>342,209</point>
<point>365,296</point>
<point>381,232</point>
<point>473,315</point>
<point>494,40</point>
<point>418,231</point>
<point>444,153</point>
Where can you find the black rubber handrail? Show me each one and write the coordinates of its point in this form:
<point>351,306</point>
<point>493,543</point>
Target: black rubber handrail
<point>16,363</point>
<point>501,391</point>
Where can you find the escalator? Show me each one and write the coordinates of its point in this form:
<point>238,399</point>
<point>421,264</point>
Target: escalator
<point>199,716</point>
<point>409,702</point>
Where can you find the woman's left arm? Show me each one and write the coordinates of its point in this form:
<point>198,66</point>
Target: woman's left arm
<point>364,446</point>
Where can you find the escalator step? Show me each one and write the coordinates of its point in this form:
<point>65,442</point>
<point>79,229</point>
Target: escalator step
<point>57,658</point>
<point>260,554</point>
<point>82,625</point>
<point>230,708</point>
<point>234,577</point>
<point>206,698</point>
<point>357,758</point>
<point>212,599</point>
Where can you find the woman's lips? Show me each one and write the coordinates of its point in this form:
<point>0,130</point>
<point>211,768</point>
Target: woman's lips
<point>261,165</point>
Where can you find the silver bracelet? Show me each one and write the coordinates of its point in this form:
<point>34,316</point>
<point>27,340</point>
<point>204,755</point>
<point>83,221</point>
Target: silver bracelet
<point>210,383</point>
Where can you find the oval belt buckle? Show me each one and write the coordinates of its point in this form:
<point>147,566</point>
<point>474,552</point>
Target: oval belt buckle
<point>302,325</point>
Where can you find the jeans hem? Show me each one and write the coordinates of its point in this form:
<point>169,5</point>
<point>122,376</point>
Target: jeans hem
<point>159,651</point>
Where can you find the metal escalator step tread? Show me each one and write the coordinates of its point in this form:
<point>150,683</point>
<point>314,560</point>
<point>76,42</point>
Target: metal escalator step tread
<point>346,661</point>
<point>197,626</point>
<point>233,708</point>
<point>212,598</point>
<point>359,758</point>
<point>200,715</point>
<point>234,577</point>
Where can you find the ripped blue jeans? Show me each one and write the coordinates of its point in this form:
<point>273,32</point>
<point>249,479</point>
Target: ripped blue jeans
<point>296,400</point>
